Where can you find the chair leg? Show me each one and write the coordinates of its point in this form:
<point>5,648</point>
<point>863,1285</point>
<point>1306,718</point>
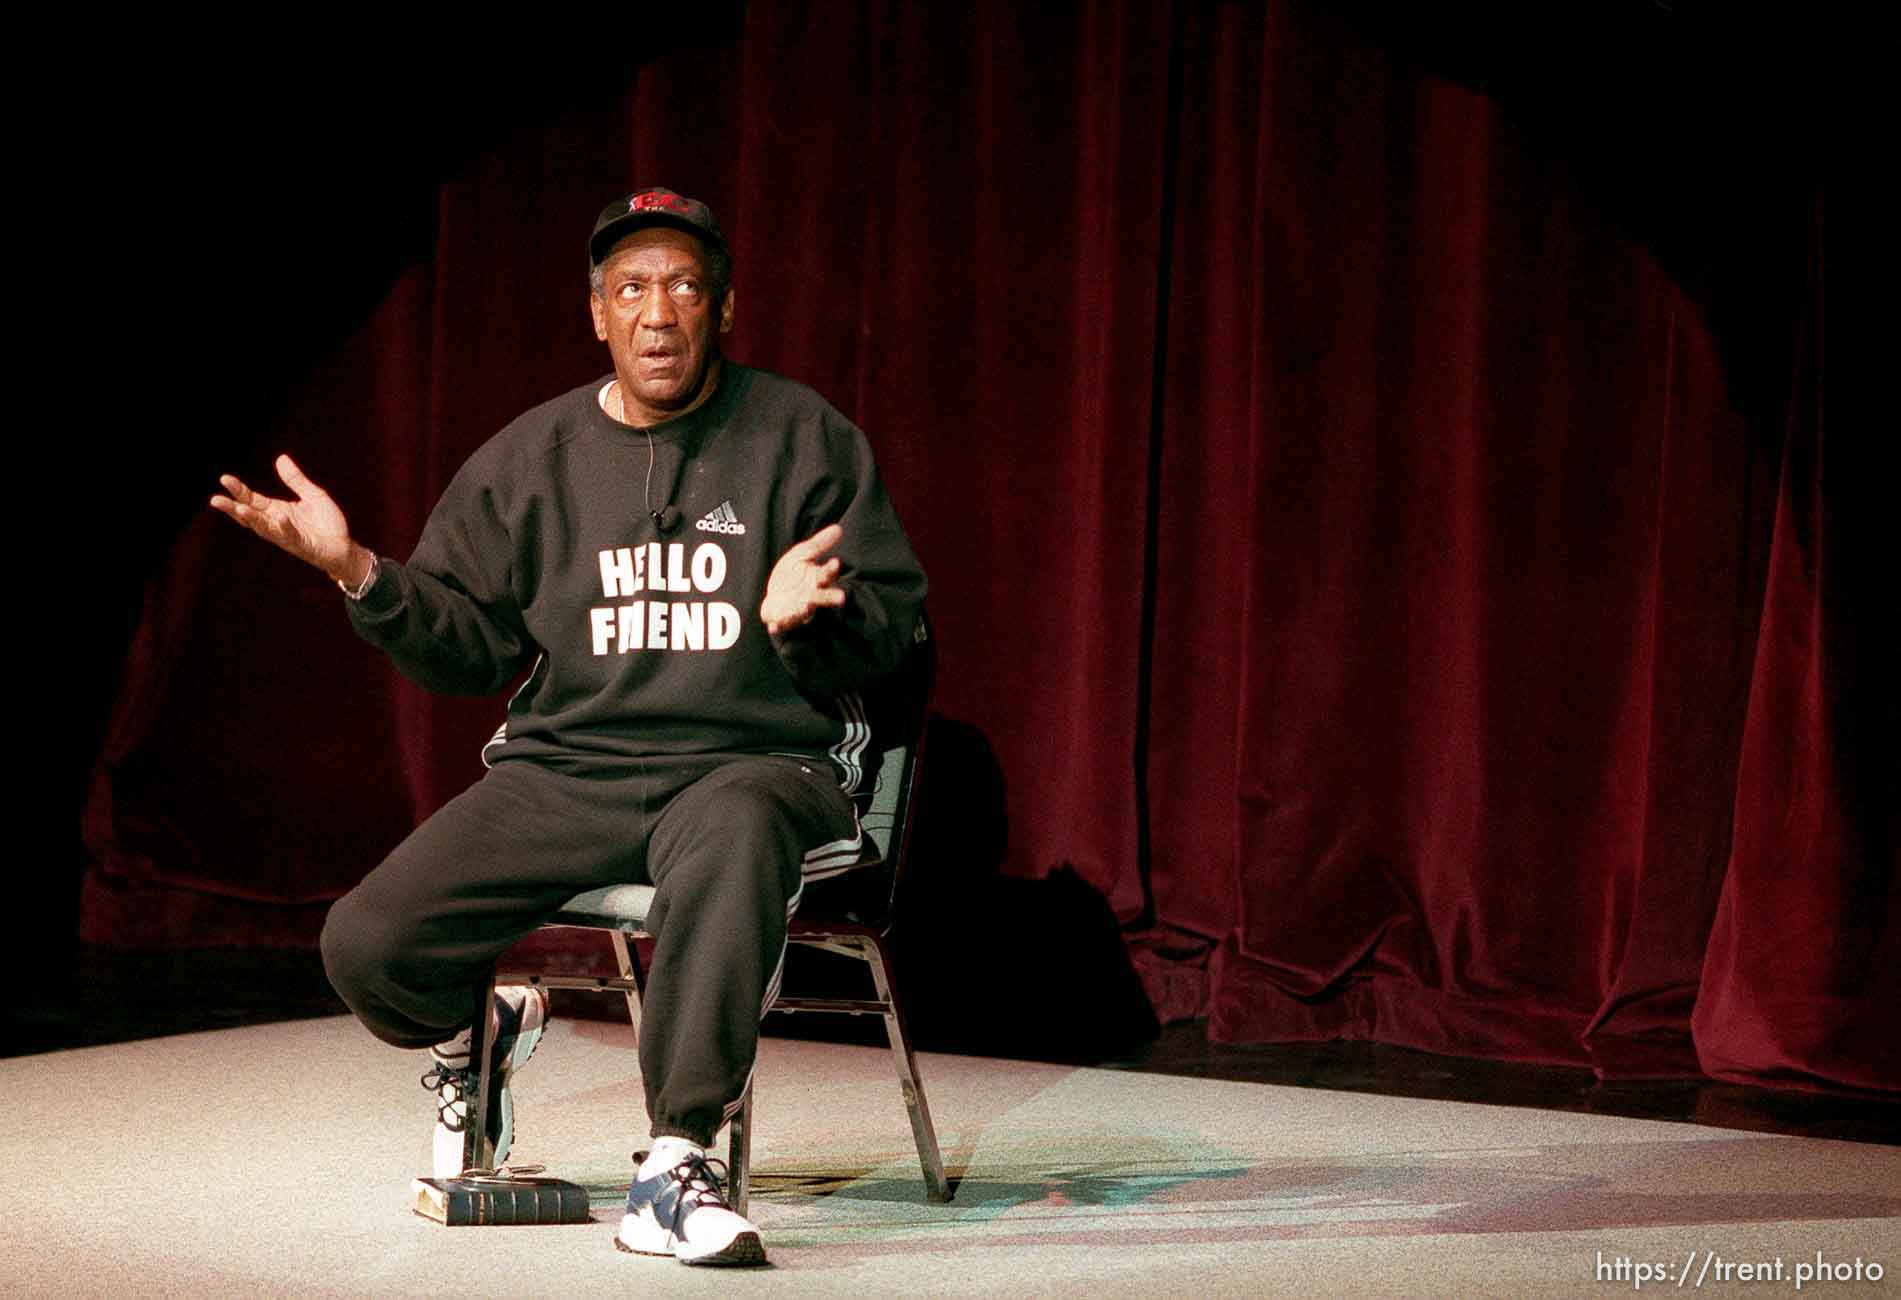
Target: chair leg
<point>922,1129</point>
<point>628,959</point>
<point>475,1123</point>
<point>739,1154</point>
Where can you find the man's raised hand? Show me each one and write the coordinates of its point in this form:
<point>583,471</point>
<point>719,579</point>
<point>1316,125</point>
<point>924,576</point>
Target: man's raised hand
<point>309,527</point>
<point>801,582</point>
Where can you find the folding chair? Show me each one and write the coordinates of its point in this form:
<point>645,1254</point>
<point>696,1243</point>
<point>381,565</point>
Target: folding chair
<point>862,906</point>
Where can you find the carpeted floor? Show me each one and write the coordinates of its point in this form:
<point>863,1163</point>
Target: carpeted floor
<point>276,1159</point>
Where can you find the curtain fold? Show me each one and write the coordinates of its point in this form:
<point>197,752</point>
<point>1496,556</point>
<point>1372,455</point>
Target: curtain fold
<point>1345,527</point>
<point>1802,975</point>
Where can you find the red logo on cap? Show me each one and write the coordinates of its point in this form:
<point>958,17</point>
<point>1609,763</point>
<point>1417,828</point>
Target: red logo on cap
<point>658,199</point>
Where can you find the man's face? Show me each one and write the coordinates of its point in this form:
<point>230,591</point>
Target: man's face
<point>655,311</point>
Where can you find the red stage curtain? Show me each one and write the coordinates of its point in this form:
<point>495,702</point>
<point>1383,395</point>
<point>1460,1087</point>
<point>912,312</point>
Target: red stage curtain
<point>1357,537</point>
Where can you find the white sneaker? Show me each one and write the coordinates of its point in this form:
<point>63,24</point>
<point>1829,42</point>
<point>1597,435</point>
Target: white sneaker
<point>516,1019</point>
<point>677,1206</point>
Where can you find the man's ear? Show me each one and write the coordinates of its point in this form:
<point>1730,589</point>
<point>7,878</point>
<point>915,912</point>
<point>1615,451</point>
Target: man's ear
<point>598,310</point>
<point>725,312</point>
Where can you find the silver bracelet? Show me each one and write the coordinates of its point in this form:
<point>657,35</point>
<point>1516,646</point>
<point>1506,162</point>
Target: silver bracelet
<point>363,586</point>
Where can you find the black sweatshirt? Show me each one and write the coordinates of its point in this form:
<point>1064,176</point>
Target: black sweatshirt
<point>646,643</point>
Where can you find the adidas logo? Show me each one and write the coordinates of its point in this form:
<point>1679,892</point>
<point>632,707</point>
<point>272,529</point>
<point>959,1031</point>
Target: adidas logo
<point>721,519</point>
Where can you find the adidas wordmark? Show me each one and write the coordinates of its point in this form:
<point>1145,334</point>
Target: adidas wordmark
<point>722,519</point>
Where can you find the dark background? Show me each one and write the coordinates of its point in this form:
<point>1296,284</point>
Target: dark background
<point>1392,578</point>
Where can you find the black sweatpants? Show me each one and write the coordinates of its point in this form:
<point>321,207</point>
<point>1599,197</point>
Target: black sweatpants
<point>725,840</point>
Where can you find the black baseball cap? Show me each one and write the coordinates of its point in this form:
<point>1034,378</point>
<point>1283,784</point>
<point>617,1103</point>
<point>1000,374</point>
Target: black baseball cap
<point>652,207</point>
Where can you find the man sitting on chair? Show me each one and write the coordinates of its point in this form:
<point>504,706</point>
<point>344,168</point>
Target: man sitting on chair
<point>702,567</point>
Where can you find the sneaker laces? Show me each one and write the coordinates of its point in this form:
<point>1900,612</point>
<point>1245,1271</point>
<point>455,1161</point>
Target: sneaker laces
<point>700,1185</point>
<point>450,1083</point>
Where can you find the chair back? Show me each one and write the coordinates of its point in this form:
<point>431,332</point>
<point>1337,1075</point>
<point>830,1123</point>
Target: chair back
<point>896,708</point>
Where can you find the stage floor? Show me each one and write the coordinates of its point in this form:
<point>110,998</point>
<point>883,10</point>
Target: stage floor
<point>276,1158</point>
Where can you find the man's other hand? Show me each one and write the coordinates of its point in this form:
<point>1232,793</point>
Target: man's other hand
<point>801,582</point>
<point>310,527</point>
